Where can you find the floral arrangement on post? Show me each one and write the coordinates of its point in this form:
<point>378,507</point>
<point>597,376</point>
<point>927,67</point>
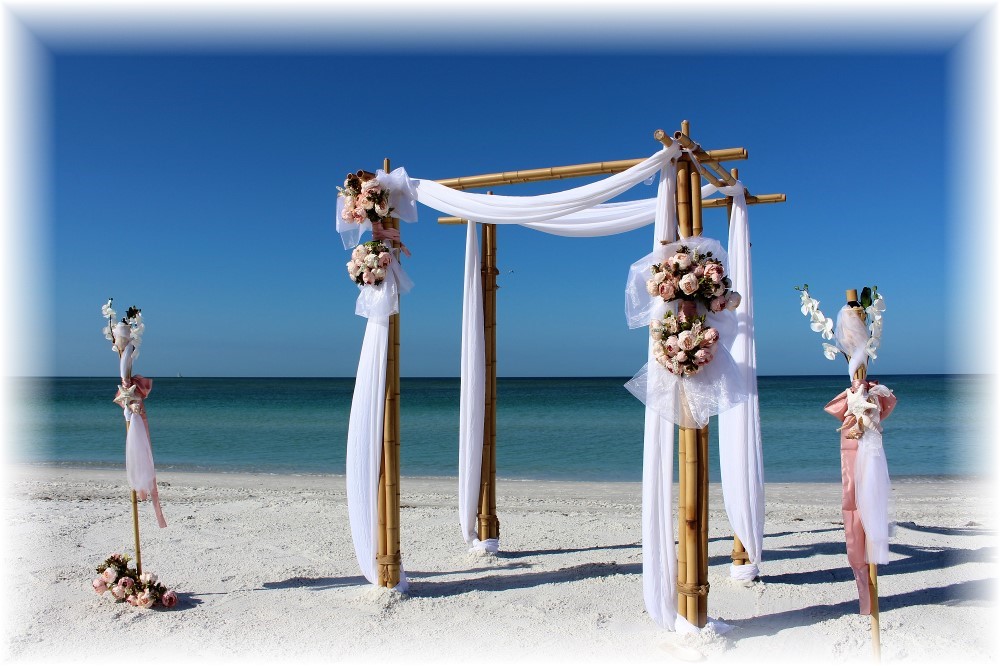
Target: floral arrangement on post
<point>684,342</point>
<point>366,199</point>
<point>872,302</point>
<point>690,276</point>
<point>369,263</point>
<point>128,330</point>
<point>118,577</point>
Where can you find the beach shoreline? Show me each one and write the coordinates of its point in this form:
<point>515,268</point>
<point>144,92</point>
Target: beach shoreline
<point>265,567</point>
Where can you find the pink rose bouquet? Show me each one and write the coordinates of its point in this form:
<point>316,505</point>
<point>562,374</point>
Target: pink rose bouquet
<point>369,263</point>
<point>693,277</point>
<point>119,578</point>
<point>365,199</point>
<point>683,344</point>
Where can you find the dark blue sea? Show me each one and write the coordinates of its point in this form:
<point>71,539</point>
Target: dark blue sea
<point>568,429</point>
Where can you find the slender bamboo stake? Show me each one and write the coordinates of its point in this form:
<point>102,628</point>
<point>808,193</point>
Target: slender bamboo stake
<point>489,525</point>
<point>388,555</point>
<point>862,373</point>
<point>135,499</point>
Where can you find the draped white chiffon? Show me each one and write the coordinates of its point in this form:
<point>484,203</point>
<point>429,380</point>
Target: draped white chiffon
<point>741,456</point>
<point>472,401</point>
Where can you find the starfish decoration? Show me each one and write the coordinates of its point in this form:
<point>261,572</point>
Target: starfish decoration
<point>859,405</point>
<point>127,398</point>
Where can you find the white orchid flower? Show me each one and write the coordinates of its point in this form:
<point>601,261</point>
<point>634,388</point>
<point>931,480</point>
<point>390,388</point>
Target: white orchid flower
<point>871,346</point>
<point>808,304</point>
<point>822,325</point>
<point>106,311</point>
<point>830,351</point>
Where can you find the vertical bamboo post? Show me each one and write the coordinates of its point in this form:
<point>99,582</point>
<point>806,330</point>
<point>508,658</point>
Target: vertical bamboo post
<point>489,524</point>
<point>683,545</point>
<point>862,373</point>
<point>692,587</point>
<point>388,554</point>
<point>701,436</point>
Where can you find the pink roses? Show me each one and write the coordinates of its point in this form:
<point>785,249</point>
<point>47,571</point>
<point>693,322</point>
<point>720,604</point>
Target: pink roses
<point>365,200</point>
<point>119,579</point>
<point>369,263</point>
<point>683,343</point>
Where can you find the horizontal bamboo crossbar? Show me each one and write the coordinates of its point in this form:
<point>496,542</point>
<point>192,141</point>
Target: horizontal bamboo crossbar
<point>705,203</point>
<point>571,171</point>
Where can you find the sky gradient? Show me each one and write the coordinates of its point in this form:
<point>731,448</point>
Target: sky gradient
<point>201,187</point>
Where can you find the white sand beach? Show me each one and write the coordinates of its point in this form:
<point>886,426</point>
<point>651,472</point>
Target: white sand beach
<point>265,569</point>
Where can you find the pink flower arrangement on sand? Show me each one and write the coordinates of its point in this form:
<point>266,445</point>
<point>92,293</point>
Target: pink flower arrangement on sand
<point>369,263</point>
<point>683,343</point>
<point>117,578</point>
<point>689,276</point>
<point>366,199</point>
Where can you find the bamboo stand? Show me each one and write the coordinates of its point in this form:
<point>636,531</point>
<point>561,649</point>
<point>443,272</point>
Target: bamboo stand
<point>691,444</point>
<point>862,373</point>
<point>388,556</point>
<point>489,524</point>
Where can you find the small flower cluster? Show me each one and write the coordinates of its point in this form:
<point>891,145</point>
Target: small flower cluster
<point>871,301</point>
<point>690,276</point>
<point>365,199</point>
<point>369,263</point>
<point>119,579</point>
<point>128,330</point>
<point>683,343</point>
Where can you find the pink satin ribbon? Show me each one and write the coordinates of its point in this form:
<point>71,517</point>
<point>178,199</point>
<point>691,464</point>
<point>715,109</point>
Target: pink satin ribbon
<point>382,233</point>
<point>853,529</point>
<point>142,387</point>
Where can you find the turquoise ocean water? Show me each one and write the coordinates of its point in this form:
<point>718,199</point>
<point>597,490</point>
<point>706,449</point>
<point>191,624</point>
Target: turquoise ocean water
<point>571,429</point>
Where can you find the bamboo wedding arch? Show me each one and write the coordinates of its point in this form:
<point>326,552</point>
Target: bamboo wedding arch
<point>692,444</point>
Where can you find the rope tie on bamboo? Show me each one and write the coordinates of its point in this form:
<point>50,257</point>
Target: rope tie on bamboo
<point>387,560</point>
<point>692,589</point>
<point>741,555</point>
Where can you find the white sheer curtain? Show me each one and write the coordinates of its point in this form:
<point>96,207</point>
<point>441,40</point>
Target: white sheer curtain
<point>473,398</point>
<point>740,453</point>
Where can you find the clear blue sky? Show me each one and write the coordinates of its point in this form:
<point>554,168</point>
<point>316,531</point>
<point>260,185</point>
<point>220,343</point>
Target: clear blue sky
<point>217,174</point>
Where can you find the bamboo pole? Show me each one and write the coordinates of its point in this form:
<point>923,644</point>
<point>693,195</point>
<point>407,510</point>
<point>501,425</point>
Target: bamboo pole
<point>572,171</point>
<point>700,436</point>
<point>133,496</point>
<point>489,524</point>
<point>388,555</point>
<point>862,373</point>
<point>687,182</point>
<point>684,556</point>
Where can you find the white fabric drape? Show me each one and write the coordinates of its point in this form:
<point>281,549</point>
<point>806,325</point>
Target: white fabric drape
<point>659,560</point>
<point>741,456</point>
<point>472,405</point>
<point>364,430</point>
<point>872,487</point>
<point>139,468</point>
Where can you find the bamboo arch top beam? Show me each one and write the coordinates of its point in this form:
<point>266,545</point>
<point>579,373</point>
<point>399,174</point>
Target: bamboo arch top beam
<point>571,171</point>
